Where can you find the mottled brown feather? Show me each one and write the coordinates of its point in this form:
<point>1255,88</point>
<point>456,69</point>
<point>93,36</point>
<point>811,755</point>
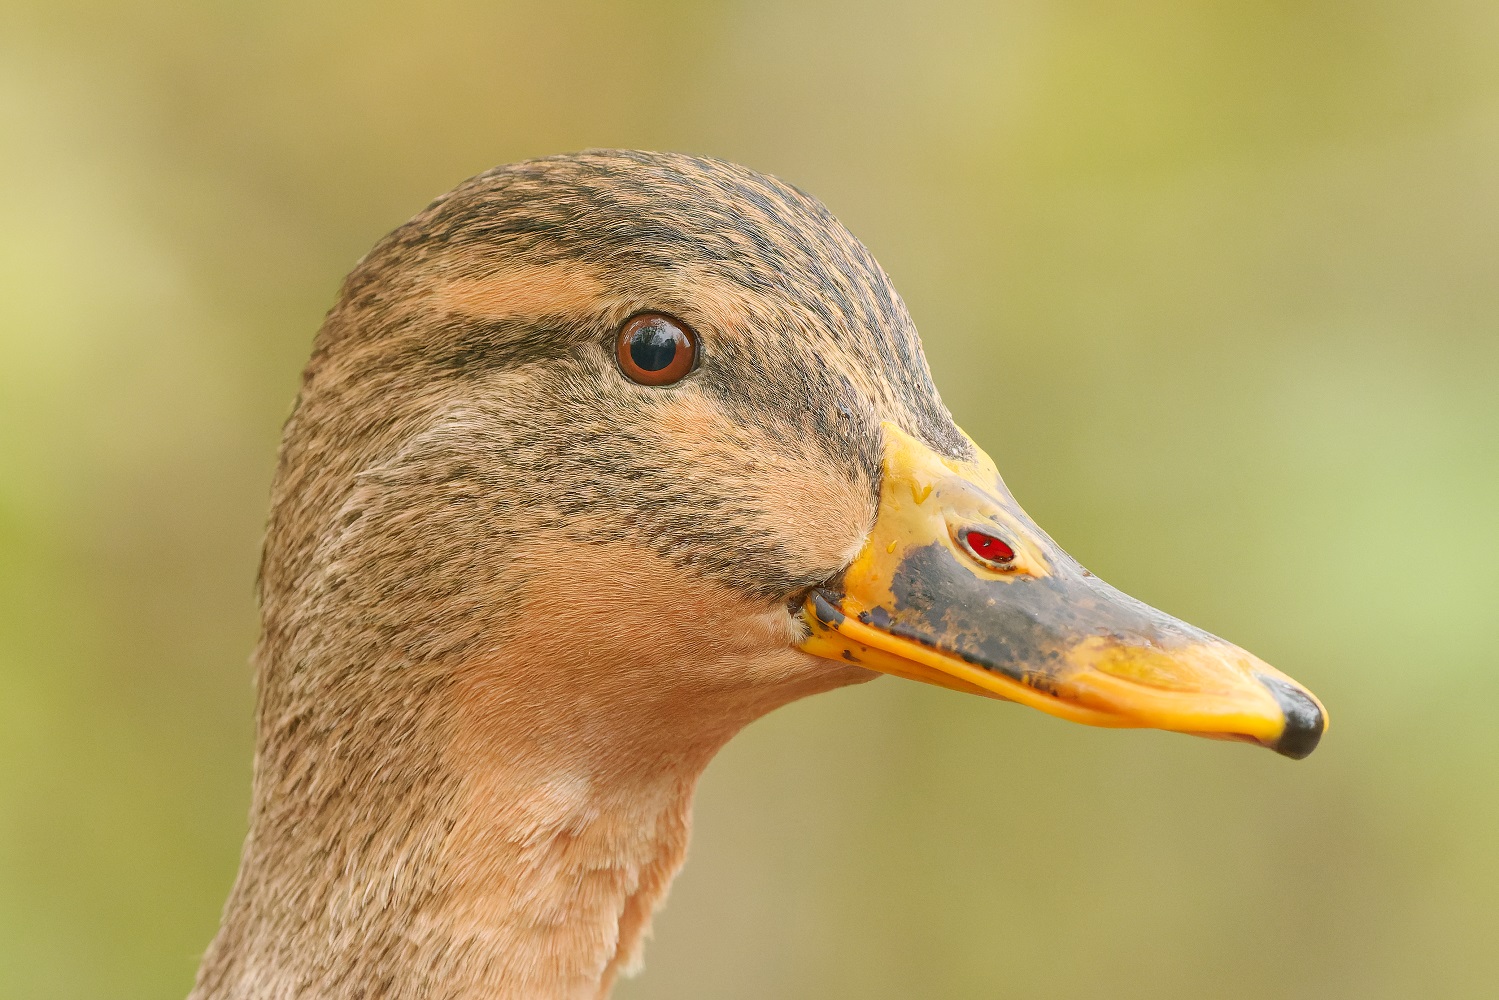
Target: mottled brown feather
<point>513,602</point>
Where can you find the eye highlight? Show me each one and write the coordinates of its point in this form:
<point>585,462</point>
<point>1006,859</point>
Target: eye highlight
<point>655,349</point>
<point>994,552</point>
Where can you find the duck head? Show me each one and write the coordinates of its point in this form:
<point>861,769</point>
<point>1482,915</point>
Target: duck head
<point>618,405</point>
<point>597,459</point>
<point>601,380</point>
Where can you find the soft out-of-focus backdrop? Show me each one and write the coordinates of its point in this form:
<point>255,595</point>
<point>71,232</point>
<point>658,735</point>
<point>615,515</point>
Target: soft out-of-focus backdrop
<point>1217,284</point>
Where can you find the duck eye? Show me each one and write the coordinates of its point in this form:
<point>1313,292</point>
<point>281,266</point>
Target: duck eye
<point>988,549</point>
<point>654,349</point>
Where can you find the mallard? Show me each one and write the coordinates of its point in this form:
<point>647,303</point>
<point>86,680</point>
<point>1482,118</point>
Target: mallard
<point>596,460</point>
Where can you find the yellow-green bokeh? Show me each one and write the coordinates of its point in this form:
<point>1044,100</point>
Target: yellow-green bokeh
<point>1216,283</point>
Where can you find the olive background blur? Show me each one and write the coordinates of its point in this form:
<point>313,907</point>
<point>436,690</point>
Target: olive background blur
<point>1216,283</point>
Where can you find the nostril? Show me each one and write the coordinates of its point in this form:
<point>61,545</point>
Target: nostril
<point>988,548</point>
<point>1304,719</point>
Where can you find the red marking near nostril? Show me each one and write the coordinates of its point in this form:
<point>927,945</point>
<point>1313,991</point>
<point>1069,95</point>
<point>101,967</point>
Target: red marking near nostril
<point>988,547</point>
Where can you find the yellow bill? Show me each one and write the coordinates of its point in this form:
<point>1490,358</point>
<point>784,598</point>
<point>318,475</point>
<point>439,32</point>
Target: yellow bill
<point>956,586</point>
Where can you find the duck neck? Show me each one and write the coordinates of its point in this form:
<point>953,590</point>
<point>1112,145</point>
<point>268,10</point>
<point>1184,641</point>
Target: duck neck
<point>525,863</point>
<point>495,829</point>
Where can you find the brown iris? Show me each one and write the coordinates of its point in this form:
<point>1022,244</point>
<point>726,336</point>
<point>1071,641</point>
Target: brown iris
<point>655,349</point>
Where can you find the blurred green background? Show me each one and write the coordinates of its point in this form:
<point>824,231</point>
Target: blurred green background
<point>1216,283</point>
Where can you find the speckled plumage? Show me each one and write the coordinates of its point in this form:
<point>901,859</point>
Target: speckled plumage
<point>513,602</point>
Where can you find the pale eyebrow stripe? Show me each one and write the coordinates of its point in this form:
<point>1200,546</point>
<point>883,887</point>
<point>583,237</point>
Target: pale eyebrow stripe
<point>566,288</point>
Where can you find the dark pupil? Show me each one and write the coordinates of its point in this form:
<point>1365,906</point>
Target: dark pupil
<point>653,347</point>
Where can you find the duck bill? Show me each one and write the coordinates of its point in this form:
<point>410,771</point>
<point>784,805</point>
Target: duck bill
<point>956,586</point>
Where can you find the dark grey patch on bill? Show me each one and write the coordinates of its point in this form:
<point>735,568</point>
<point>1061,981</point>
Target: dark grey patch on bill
<point>825,606</point>
<point>1031,622</point>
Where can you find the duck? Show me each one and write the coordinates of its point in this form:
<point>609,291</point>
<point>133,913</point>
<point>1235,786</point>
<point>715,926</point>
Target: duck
<point>596,460</point>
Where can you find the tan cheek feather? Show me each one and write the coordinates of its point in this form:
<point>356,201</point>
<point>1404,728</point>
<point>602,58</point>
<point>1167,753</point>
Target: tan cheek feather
<point>607,643</point>
<point>581,738</point>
